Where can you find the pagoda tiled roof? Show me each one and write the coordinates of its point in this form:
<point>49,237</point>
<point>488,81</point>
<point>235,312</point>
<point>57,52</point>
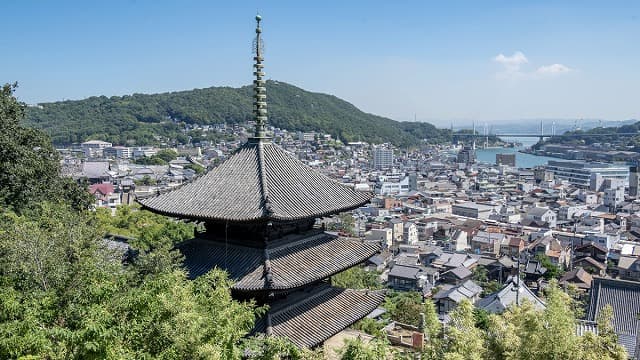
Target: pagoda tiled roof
<point>311,316</point>
<point>290,263</point>
<point>260,181</point>
<point>624,298</point>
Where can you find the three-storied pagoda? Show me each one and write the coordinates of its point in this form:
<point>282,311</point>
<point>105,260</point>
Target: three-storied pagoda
<point>259,208</point>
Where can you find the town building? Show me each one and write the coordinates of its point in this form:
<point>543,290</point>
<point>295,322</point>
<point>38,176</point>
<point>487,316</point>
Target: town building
<point>514,292</point>
<point>472,210</point>
<point>587,175</point>
<point>506,159</point>
<point>94,148</point>
<point>117,152</point>
<point>382,157</point>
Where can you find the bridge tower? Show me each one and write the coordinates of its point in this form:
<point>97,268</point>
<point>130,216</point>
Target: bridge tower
<point>473,146</point>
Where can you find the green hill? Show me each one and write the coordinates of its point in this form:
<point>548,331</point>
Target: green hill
<point>139,119</point>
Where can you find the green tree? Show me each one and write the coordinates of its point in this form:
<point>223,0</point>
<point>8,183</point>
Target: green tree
<point>553,271</point>
<point>356,349</point>
<point>357,278</point>
<point>29,164</point>
<point>63,294</point>
<point>462,339</point>
<point>167,155</point>
<point>404,307</point>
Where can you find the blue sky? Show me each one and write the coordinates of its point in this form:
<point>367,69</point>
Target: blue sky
<point>443,62</point>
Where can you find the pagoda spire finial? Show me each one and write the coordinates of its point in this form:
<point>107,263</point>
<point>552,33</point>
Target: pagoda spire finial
<point>259,88</point>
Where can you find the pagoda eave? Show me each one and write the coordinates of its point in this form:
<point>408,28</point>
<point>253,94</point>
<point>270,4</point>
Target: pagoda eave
<point>248,220</point>
<point>293,262</point>
<point>309,317</point>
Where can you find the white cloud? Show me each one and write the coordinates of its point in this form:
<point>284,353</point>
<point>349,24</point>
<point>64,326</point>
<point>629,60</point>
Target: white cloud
<point>514,69</point>
<point>511,63</point>
<point>553,69</point>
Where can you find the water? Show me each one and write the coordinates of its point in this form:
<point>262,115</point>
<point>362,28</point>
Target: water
<point>522,160</point>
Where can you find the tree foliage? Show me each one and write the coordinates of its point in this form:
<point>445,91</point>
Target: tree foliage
<point>29,164</point>
<point>65,295</point>
<point>357,278</point>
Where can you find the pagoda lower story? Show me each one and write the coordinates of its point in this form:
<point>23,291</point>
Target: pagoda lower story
<point>303,306</point>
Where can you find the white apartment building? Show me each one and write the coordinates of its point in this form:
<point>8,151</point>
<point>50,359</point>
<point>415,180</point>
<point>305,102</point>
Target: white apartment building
<point>382,158</point>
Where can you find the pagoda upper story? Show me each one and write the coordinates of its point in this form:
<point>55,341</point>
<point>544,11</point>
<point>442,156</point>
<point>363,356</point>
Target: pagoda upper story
<point>260,182</point>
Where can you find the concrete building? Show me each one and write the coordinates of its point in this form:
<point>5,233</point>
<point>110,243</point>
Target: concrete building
<point>94,148</point>
<point>472,210</point>
<point>384,235</point>
<point>467,155</point>
<point>392,187</point>
<point>587,175</point>
<point>410,233</point>
<point>613,197</point>
<point>382,158</point>
<point>541,174</point>
<point>117,152</point>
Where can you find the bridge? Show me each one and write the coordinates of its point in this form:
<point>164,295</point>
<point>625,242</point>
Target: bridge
<point>541,135</point>
<point>511,135</point>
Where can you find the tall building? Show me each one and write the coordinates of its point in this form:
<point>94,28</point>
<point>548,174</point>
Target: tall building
<point>382,157</point>
<point>634,181</point>
<point>467,155</point>
<point>259,208</point>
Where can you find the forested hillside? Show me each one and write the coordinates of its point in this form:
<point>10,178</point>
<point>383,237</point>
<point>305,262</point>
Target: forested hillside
<point>137,118</point>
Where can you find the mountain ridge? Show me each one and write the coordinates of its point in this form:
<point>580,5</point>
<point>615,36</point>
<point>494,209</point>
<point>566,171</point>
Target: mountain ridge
<point>142,117</point>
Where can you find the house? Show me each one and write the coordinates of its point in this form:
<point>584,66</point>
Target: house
<point>593,250</point>
<point>501,269</point>
<point>456,276</point>
<point>552,248</point>
<point>624,298</point>
<point>514,292</point>
<point>95,171</point>
<point>105,195</point>
<point>406,278</point>
<point>541,216</point>
<point>428,256</point>
<point>534,270</point>
<point>448,299</point>
<point>629,267</point>
<point>459,241</point>
<point>512,247</point>
<point>591,266</point>
<point>577,277</point>
<point>453,260</point>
